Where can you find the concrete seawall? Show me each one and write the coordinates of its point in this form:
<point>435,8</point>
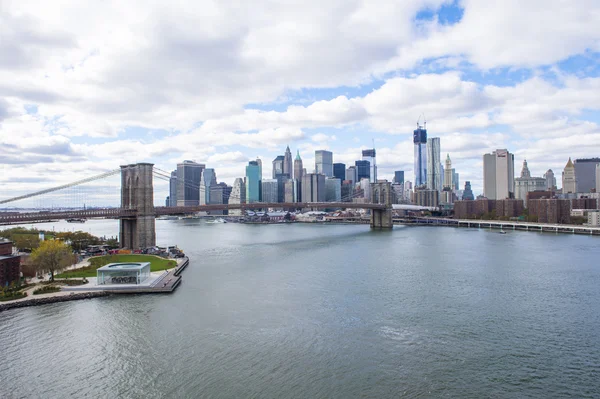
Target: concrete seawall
<point>54,299</point>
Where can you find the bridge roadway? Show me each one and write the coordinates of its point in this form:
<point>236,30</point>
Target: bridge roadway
<point>182,210</point>
<point>121,213</point>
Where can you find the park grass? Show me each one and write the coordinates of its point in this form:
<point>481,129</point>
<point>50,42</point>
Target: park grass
<point>46,289</point>
<point>157,264</point>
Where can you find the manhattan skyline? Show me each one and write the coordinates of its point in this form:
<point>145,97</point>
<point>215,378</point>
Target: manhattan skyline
<point>87,88</point>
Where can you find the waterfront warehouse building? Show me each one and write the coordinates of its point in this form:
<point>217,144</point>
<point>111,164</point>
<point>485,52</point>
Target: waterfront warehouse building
<point>123,273</point>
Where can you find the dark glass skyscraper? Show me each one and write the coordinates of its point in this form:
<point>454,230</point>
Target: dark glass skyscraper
<point>420,142</point>
<point>339,171</point>
<point>468,193</point>
<point>399,177</point>
<point>585,172</point>
<point>188,183</point>
<point>370,155</point>
<point>363,169</point>
<point>278,166</point>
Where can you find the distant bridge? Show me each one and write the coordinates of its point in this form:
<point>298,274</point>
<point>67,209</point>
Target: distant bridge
<point>137,213</point>
<point>119,213</point>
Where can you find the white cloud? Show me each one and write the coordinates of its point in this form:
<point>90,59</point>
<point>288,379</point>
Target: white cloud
<point>195,69</point>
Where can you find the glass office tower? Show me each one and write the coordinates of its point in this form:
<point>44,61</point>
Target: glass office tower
<point>420,167</point>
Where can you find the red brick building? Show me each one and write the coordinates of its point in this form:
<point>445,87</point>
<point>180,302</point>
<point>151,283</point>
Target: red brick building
<point>475,209</point>
<point>551,210</point>
<point>9,264</point>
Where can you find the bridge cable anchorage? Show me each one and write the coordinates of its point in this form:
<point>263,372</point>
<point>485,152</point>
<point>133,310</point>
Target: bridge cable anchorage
<point>76,183</point>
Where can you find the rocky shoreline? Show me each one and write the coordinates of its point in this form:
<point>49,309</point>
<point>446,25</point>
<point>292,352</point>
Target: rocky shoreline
<point>54,299</point>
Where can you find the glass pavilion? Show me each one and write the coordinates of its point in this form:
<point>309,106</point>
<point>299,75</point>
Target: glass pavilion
<point>123,273</point>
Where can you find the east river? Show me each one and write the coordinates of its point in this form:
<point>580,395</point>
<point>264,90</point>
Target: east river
<point>326,311</point>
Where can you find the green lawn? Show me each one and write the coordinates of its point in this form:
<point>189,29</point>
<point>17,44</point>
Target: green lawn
<point>156,264</point>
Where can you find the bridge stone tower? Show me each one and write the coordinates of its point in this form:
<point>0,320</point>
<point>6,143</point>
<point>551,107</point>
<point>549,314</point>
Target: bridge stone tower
<point>381,193</point>
<point>137,192</point>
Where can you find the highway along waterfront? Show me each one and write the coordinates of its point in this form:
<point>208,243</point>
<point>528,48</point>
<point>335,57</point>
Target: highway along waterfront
<point>326,311</point>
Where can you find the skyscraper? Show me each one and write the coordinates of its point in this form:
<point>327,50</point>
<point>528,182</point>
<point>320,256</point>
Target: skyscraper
<point>370,155</point>
<point>448,174</point>
<point>399,177</point>
<point>260,170</point>
<point>434,172</point>
<point>420,144</point>
<point>238,195</point>
<point>339,171</point>
<point>253,179</point>
<point>173,189</point>
<point>188,183</point>
<point>333,189</point>
<point>278,166</point>
<point>550,180</point>
<point>269,190</point>
<point>287,163</point>
<point>298,169</point>
<point>313,187</point>
<point>208,179</point>
<point>219,194</point>
<point>351,174</point>
<point>363,170</point>
<point>468,193</point>
<point>324,162</point>
<point>569,178</point>
<point>526,183</point>
<point>585,170</point>
<point>499,175</point>
<point>598,178</point>
<point>292,193</point>
<point>455,179</point>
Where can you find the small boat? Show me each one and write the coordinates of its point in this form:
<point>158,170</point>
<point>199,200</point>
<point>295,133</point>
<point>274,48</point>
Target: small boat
<point>76,220</point>
<point>167,218</point>
<point>502,232</point>
<point>216,221</point>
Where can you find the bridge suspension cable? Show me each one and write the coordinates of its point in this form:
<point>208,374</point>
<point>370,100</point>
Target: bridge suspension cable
<point>50,190</point>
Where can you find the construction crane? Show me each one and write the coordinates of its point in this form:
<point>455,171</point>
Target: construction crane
<point>424,121</point>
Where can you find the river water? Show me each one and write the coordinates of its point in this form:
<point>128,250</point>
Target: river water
<point>327,311</point>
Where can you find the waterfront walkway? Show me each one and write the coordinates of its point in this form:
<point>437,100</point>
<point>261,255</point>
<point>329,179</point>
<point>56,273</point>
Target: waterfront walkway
<point>501,225</point>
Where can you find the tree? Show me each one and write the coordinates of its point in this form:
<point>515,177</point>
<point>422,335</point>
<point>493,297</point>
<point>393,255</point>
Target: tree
<point>26,242</point>
<point>52,256</point>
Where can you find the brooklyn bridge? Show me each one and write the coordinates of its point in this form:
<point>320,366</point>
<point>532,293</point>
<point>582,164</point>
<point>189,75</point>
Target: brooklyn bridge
<point>137,213</point>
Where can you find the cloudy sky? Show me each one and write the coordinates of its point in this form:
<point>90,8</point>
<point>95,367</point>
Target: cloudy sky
<point>88,86</point>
